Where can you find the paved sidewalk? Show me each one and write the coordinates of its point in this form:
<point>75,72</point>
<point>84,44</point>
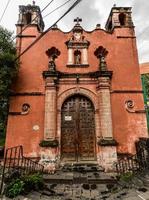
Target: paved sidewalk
<point>75,192</point>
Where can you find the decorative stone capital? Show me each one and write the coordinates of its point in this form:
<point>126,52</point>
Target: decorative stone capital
<point>50,83</point>
<point>104,83</point>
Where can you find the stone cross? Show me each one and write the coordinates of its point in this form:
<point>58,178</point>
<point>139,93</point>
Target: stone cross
<point>78,20</point>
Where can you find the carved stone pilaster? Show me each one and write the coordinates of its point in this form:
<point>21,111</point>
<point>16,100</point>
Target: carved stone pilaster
<point>105,107</point>
<point>107,145</point>
<point>50,109</point>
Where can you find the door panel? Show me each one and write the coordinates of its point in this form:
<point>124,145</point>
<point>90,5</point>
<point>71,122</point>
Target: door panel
<point>78,129</point>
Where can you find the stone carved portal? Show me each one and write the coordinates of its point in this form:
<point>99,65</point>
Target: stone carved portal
<point>78,129</point>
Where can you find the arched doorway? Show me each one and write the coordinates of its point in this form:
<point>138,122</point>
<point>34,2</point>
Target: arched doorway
<point>77,129</point>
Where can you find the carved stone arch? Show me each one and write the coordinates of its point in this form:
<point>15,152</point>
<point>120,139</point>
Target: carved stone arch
<point>82,91</point>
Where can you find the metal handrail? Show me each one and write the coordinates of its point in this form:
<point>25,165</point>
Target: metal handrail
<point>14,159</point>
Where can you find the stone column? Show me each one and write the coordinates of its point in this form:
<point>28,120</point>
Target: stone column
<point>70,57</point>
<point>84,57</point>
<point>105,107</point>
<point>107,154</point>
<point>50,110</point>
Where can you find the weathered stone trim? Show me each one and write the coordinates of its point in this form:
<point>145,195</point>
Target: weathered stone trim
<point>27,94</point>
<point>95,74</point>
<point>107,142</point>
<point>79,65</point>
<point>126,91</point>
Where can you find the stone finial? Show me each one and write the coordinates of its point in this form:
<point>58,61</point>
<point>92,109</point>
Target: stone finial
<point>52,53</point>
<point>98,26</point>
<point>34,2</point>
<point>101,53</point>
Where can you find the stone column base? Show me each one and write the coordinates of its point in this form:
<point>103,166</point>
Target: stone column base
<point>49,158</point>
<point>106,157</point>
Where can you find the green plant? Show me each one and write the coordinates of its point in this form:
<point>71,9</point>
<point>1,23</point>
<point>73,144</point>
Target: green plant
<point>14,188</point>
<point>8,71</point>
<point>49,143</point>
<point>32,182</point>
<point>127,177</point>
<point>2,141</point>
<point>23,185</point>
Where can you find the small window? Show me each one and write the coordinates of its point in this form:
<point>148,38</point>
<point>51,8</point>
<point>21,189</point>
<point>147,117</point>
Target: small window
<point>77,57</point>
<point>28,17</point>
<point>122,19</point>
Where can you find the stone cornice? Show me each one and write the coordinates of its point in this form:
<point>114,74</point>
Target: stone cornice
<point>95,74</point>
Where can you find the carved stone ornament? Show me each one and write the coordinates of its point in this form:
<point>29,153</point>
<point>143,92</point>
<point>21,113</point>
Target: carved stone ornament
<point>77,40</point>
<point>52,53</point>
<point>130,107</point>
<point>129,104</point>
<point>101,53</point>
<point>25,109</point>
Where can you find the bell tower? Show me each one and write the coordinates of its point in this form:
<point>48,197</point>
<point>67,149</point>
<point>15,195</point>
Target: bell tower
<point>29,26</point>
<point>30,15</point>
<point>120,17</point>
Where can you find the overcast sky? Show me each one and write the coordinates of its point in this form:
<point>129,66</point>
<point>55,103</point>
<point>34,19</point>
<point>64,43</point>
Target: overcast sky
<point>92,12</point>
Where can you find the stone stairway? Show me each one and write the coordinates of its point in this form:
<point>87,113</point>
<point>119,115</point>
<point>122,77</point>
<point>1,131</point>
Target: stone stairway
<point>79,174</point>
<point>78,181</point>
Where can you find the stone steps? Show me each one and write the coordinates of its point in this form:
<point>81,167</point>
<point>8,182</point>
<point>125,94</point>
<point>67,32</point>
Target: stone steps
<point>79,174</point>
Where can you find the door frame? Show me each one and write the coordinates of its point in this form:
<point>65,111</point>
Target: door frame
<point>94,132</point>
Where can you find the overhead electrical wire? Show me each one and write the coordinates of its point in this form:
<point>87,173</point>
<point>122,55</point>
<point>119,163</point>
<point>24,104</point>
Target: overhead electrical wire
<point>57,8</point>
<point>47,6</point>
<point>5,10</point>
<point>42,34</point>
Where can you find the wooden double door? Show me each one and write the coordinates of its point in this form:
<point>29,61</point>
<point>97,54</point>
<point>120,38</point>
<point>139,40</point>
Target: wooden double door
<point>78,129</point>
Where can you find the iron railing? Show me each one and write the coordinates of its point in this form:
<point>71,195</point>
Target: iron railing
<point>14,160</point>
<point>137,162</point>
<point>127,164</point>
<point>142,152</point>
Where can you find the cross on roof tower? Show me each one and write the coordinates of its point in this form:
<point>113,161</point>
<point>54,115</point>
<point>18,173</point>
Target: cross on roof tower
<point>78,20</point>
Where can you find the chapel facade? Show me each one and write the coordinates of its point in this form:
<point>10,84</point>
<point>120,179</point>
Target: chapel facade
<point>78,94</point>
